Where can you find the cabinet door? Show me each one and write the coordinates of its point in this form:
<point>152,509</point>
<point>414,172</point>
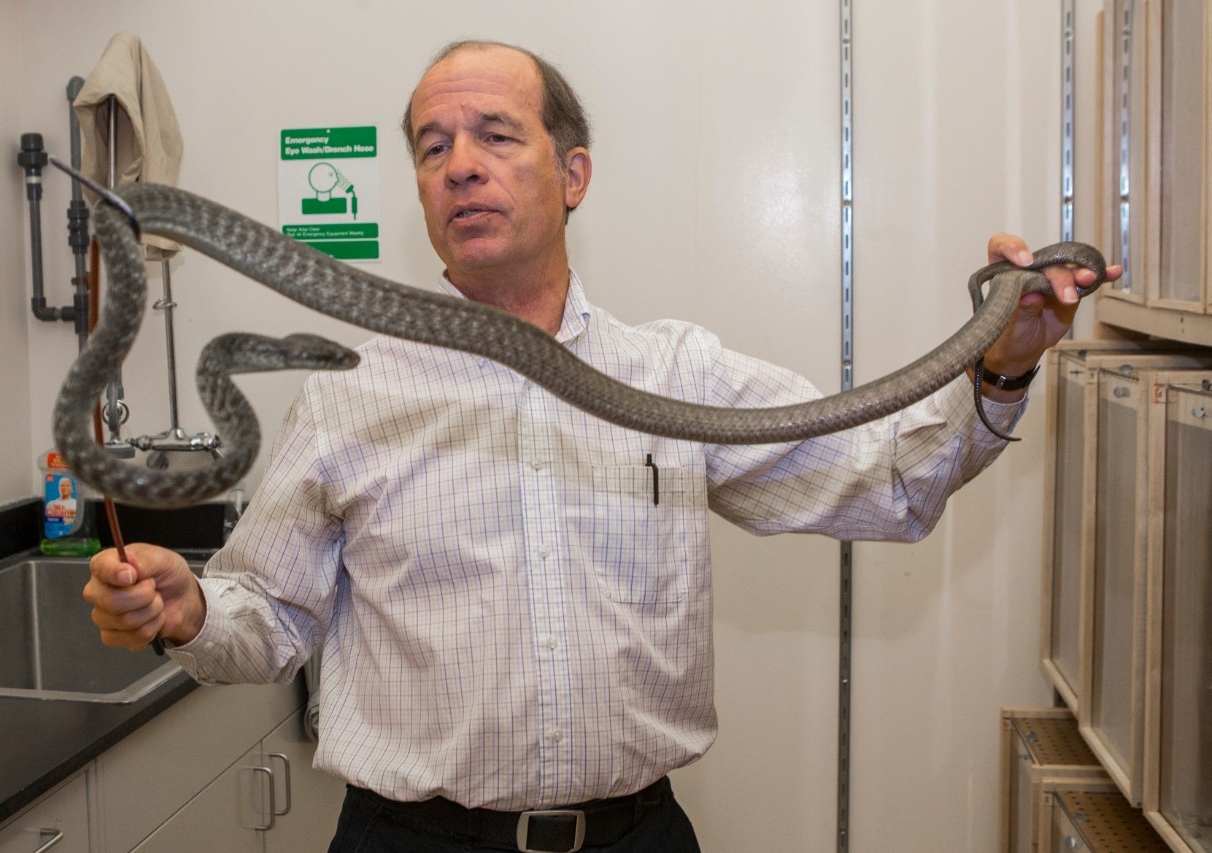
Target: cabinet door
<point>144,780</point>
<point>59,821</point>
<point>308,801</point>
<point>1113,718</point>
<point>1183,699</point>
<point>1062,660</point>
<point>223,816</point>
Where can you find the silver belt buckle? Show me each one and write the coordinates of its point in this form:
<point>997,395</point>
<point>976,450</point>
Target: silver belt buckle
<point>523,837</point>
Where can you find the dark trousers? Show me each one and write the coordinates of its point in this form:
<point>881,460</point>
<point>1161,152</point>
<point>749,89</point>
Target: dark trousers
<point>371,824</point>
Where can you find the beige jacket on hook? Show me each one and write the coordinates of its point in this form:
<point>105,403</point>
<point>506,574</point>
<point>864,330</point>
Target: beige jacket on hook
<point>148,139</point>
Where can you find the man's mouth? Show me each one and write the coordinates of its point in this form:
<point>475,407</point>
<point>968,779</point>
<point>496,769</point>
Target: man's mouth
<point>470,213</point>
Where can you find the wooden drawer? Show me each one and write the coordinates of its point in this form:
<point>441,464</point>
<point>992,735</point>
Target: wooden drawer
<point>1039,745</point>
<point>1098,821</point>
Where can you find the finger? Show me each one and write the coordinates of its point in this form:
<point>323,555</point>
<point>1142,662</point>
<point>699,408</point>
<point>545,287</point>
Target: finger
<point>1008,247</point>
<point>107,568</point>
<point>134,640</point>
<point>1064,284</point>
<point>133,620</point>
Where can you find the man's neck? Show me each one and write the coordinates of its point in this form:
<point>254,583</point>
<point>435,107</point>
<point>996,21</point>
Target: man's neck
<point>536,299</point>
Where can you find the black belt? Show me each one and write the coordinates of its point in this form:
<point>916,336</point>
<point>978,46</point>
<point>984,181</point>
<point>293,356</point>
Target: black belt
<point>562,830</point>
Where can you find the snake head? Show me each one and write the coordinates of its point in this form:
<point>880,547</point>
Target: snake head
<point>240,352</point>
<point>313,352</point>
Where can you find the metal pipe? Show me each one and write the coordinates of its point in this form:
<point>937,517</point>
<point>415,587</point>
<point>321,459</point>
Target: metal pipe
<point>846,562</point>
<point>116,409</point>
<point>111,103</point>
<point>167,305</point>
<point>32,158</point>
<point>77,218</point>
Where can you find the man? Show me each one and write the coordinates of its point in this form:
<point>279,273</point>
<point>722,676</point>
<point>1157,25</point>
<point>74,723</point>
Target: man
<point>514,619</point>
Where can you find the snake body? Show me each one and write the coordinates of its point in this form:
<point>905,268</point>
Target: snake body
<point>379,305</point>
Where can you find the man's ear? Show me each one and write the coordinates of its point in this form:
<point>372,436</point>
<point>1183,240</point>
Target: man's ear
<point>579,170</point>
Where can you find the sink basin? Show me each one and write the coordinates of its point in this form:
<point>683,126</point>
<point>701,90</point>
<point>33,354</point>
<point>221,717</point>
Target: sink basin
<point>49,647</point>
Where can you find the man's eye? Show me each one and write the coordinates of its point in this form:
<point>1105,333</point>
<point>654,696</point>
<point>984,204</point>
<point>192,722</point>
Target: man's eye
<point>433,150</point>
<point>496,138</point>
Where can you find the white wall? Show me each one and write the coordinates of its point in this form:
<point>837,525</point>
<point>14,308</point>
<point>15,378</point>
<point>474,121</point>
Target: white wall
<point>715,199</point>
<point>16,449</point>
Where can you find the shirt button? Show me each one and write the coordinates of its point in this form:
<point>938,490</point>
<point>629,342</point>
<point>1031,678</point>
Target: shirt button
<point>537,464</point>
<point>549,641</point>
<point>557,735</point>
<point>544,552</point>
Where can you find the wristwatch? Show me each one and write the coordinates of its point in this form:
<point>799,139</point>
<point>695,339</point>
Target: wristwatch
<point>1009,383</point>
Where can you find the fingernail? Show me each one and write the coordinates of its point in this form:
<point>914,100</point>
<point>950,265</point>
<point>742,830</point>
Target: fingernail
<point>126,577</point>
<point>1023,258</point>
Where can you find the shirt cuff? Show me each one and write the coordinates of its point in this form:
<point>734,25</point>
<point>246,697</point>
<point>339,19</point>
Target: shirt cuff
<point>960,406</point>
<point>216,629</point>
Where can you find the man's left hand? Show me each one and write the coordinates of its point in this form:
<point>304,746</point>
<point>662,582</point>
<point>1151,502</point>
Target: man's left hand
<point>1042,319</point>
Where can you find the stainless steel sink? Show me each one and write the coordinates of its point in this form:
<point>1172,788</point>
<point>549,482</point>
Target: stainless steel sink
<point>49,648</point>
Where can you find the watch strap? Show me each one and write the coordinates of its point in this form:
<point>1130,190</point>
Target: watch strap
<point>1008,383</point>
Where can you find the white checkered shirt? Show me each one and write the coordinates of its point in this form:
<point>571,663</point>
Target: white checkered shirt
<point>509,618</point>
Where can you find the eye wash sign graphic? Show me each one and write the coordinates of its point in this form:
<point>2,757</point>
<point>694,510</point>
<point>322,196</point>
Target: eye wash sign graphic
<point>328,190</point>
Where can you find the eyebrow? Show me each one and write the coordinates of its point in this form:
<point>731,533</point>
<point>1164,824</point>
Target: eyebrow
<point>499,118</point>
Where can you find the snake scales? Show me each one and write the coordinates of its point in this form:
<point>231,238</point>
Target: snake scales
<point>353,295</point>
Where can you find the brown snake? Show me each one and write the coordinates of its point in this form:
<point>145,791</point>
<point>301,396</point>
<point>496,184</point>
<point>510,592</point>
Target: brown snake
<point>355,296</point>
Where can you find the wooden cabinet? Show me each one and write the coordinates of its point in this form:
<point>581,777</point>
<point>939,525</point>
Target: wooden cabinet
<point>1070,481</point>
<point>59,821</point>
<point>1127,600</point>
<point>1157,160</point>
<point>1178,770</point>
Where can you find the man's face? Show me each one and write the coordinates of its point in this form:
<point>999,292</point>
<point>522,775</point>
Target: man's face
<point>493,195</point>
<point>65,489</point>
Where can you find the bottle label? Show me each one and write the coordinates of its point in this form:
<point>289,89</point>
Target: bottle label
<point>59,505</point>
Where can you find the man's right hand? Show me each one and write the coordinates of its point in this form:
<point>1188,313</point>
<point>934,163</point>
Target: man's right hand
<point>152,593</point>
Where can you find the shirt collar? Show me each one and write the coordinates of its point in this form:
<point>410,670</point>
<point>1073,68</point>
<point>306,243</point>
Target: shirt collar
<point>577,309</point>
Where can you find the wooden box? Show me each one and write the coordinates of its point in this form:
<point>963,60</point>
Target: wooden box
<point>1038,746</point>
<point>1069,520</point>
<point>1087,818</point>
<point>1175,63</point>
<point>1178,766</point>
<point>1112,717</point>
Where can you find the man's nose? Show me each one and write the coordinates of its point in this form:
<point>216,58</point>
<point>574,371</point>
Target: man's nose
<point>463,165</point>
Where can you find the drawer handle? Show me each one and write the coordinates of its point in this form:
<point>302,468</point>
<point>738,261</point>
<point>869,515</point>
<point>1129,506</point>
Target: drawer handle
<point>55,836</point>
<point>273,811</point>
<point>286,774</point>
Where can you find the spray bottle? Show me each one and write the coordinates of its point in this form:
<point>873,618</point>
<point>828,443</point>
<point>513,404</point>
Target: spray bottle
<point>68,526</point>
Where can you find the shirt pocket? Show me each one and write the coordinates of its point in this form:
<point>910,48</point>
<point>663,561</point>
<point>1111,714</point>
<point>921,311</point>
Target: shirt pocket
<point>639,545</point>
